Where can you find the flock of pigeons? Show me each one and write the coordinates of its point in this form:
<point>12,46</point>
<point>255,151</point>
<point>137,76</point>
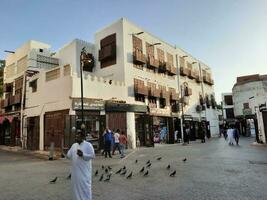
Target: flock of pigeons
<point>106,171</point>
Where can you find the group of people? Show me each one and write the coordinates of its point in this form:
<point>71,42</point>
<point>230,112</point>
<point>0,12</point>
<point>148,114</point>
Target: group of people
<point>114,140</point>
<point>233,135</point>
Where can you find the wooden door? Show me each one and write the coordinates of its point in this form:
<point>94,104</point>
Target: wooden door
<point>54,124</point>
<point>264,117</point>
<point>117,120</point>
<point>33,133</point>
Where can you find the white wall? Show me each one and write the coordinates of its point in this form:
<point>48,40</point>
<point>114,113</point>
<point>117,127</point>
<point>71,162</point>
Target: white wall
<point>242,93</point>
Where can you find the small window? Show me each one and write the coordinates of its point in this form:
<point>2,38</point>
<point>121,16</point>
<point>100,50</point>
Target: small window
<point>246,105</point>
<point>33,85</point>
<point>41,50</point>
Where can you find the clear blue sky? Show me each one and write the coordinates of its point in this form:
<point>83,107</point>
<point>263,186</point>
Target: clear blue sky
<point>228,35</point>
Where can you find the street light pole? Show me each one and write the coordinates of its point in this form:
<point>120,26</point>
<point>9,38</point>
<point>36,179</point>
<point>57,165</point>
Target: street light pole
<point>81,74</point>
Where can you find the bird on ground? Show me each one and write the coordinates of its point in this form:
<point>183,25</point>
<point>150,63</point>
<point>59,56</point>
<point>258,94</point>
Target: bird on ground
<point>159,158</point>
<point>142,170</point>
<point>124,172</point>
<point>103,167</point>
<point>146,173</point>
<point>119,171</point>
<point>184,159</point>
<point>109,168</point>
<point>148,165</point>
<point>96,172</point>
<point>101,177</point>
<point>106,170</point>
<point>168,167</point>
<point>54,180</point>
<point>148,162</point>
<point>124,168</point>
<point>173,173</point>
<point>69,176</point>
<point>130,175</point>
<point>136,161</point>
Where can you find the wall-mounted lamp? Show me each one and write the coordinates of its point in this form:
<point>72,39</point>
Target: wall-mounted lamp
<point>139,33</point>
<point>158,43</point>
<point>184,56</point>
<point>7,51</point>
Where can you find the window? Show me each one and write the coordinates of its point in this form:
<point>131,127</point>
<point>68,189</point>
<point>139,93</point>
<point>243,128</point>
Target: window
<point>246,105</point>
<point>41,50</point>
<point>107,52</point>
<point>228,99</point>
<point>51,75</point>
<point>162,103</point>
<point>33,85</point>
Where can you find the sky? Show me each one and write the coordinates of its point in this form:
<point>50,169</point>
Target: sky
<point>230,36</point>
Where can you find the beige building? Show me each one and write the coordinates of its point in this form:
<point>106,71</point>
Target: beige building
<point>133,81</point>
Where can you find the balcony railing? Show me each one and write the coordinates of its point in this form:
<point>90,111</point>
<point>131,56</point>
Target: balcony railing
<point>17,99</point>
<point>164,94</point>
<point>6,102</point>
<point>184,71</point>
<point>138,57</point>
<point>174,96</point>
<point>170,69</point>
<point>192,74</point>
<point>162,67</point>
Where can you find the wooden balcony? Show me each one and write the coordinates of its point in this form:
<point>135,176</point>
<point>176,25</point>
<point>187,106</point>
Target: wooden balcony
<point>208,80</point>
<point>17,99</point>
<point>8,87</point>
<point>12,100</point>
<point>153,92</point>
<point>174,95</point>
<point>2,102</point>
<point>138,57</point>
<point>184,71</point>
<point>141,89</point>
<point>164,94</point>
<point>192,74</point>
<point>107,52</point>
<point>171,69</point>
<point>152,62</point>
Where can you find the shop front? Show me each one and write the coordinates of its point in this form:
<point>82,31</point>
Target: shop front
<point>10,130</point>
<point>94,121</point>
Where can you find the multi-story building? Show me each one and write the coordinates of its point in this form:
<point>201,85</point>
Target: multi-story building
<point>249,93</point>
<point>132,80</point>
<point>228,107</point>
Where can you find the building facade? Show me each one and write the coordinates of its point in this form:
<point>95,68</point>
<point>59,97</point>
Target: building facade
<point>249,93</point>
<point>133,81</point>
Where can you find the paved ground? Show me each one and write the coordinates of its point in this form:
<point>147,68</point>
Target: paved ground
<point>214,170</point>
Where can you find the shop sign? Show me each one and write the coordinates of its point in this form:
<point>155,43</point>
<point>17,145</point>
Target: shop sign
<point>161,112</point>
<point>88,104</point>
<point>123,107</point>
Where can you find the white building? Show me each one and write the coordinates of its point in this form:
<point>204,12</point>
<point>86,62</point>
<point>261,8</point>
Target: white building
<point>134,81</point>
<point>249,93</point>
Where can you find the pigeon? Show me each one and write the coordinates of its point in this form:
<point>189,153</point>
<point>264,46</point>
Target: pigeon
<point>106,170</point>
<point>173,173</point>
<point>101,177</point>
<point>168,167</point>
<point>119,171</point>
<point>159,158</point>
<point>136,161</point>
<point>109,168</point>
<point>184,159</point>
<point>69,176</point>
<point>123,173</point>
<point>130,175</point>
<point>148,162</point>
<point>142,170</point>
<point>107,179</point>
<point>103,167</point>
<point>146,174</point>
<point>148,165</point>
<point>96,172</point>
<point>124,168</point>
<point>54,180</point>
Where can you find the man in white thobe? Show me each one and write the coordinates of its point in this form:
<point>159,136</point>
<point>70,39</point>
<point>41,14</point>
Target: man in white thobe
<point>81,153</point>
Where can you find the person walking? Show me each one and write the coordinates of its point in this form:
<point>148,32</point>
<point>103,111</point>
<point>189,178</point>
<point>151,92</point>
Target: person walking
<point>187,134</point>
<point>81,154</point>
<point>202,133</point>
<point>107,142</point>
<point>116,142</point>
<point>123,141</point>
<point>236,136</point>
<point>230,132</point>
